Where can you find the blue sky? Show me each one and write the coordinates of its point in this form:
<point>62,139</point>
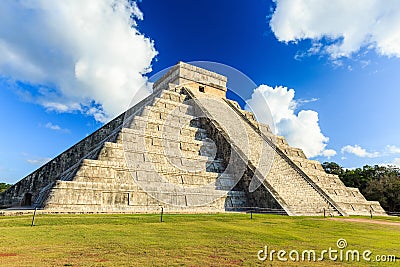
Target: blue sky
<point>66,67</point>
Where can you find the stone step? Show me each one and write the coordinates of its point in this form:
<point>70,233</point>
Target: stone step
<point>147,143</point>
<point>158,160</point>
<point>167,132</point>
<point>166,128</point>
<point>146,122</point>
<point>186,134</point>
<point>187,168</point>
<point>155,112</point>
<point>155,145</point>
<point>110,169</point>
<point>190,180</point>
<point>172,105</point>
<point>155,154</point>
<point>94,186</point>
<point>312,208</point>
<point>82,193</point>
<point>159,189</point>
<point>96,166</point>
<point>173,96</point>
<point>161,161</point>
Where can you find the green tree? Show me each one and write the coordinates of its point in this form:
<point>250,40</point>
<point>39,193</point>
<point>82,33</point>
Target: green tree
<point>4,187</point>
<point>332,168</point>
<point>386,190</point>
<point>354,178</point>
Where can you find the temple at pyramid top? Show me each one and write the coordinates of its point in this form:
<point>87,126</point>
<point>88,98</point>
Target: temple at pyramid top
<point>182,73</point>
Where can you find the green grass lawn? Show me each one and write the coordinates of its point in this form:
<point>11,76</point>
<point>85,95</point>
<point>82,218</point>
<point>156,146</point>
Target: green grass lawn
<point>184,240</point>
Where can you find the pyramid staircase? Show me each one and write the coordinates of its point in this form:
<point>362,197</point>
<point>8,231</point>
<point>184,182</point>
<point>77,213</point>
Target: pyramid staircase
<point>349,199</point>
<point>293,190</point>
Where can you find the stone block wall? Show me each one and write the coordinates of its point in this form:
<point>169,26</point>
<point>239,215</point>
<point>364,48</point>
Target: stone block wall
<point>62,167</point>
<point>107,184</point>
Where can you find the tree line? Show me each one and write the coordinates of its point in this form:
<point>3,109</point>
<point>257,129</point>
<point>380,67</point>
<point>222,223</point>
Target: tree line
<point>379,183</point>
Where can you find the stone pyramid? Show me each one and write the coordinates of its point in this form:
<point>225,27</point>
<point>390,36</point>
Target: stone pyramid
<point>186,148</point>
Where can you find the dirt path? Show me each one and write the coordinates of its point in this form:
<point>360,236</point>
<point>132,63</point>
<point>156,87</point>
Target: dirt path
<point>360,220</point>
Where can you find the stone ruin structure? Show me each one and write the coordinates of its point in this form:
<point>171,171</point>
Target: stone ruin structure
<point>181,149</point>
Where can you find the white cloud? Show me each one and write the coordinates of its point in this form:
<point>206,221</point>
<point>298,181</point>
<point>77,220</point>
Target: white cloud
<point>329,153</point>
<point>300,102</point>
<point>82,55</point>
<point>393,149</point>
<point>396,162</point>
<point>301,130</point>
<point>55,127</point>
<point>51,126</point>
<point>339,28</point>
<point>39,161</point>
<point>359,151</point>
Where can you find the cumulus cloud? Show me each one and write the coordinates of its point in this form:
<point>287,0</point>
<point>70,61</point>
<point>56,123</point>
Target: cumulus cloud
<point>339,28</point>
<point>74,55</point>
<point>359,151</point>
<point>301,130</point>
